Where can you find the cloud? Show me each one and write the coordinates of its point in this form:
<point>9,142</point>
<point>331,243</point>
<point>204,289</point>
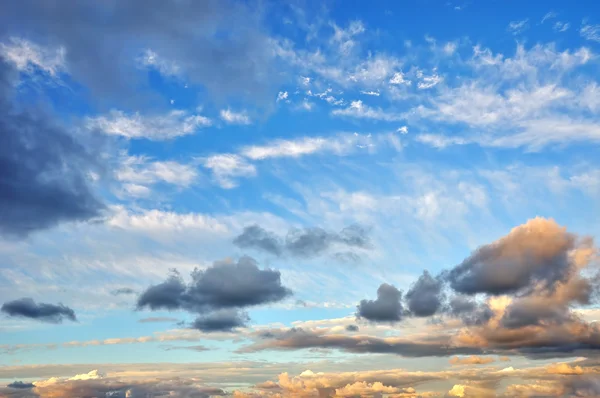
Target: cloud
<point>221,321</point>
<point>27,56</point>
<point>27,308</point>
<point>352,328</point>
<point>425,297</point>
<point>216,292</point>
<point>227,167</point>
<point>471,360</point>
<point>102,53</point>
<point>142,171</point>
<point>536,252</point>
<point>20,385</point>
<point>517,27</point>
<point>44,178</point>
<point>123,291</point>
<point>171,125</point>
<point>386,308</point>
<point>231,117</point>
<point>357,109</point>
<point>158,319</point>
<point>590,32</point>
<point>305,242</point>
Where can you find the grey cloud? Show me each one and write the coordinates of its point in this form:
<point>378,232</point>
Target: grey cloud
<point>386,308</point>
<point>298,338</point>
<point>536,252</point>
<point>122,291</point>
<point>302,242</point>
<point>43,169</point>
<point>103,40</point>
<point>425,297</point>
<point>20,385</point>
<point>256,237</point>
<point>27,308</point>
<point>221,321</point>
<point>470,311</point>
<point>223,286</point>
<point>352,328</point>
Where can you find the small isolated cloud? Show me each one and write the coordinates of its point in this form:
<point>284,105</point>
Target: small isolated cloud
<point>231,117</point>
<point>371,93</point>
<point>27,308</point>
<point>386,308</point>
<point>20,385</point>
<point>561,26</point>
<point>428,81</point>
<point>352,328</point>
<point>282,96</point>
<point>357,109</point>
<point>221,321</point>
<point>123,291</point>
<point>549,15</point>
<point>402,130</point>
<point>398,78</point>
<point>227,167</point>
<point>517,27</point>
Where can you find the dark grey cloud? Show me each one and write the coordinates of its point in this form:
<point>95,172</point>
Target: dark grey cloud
<point>469,311</point>
<point>221,321</point>
<point>223,286</point>
<point>27,308</point>
<point>533,253</point>
<point>352,328</point>
<point>425,296</point>
<point>386,308</point>
<point>257,237</point>
<point>218,44</point>
<point>123,291</point>
<point>44,170</point>
<point>534,312</point>
<point>303,242</point>
<point>20,385</point>
<point>298,338</point>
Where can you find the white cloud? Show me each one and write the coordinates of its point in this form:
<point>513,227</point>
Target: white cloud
<point>440,141</point>
<point>549,15</point>
<point>428,81</point>
<point>359,110</point>
<point>158,127</point>
<point>590,32</point>
<point>158,221</point>
<point>25,55</point>
<point>282,96</point>
<point>402,130</point>
<point>140,171</point>
<point>398,78</point>
<point>227,167</point>
<point>151,59</point>
<point>232,117</point>
<point>343,38</point>
<point>516,27</point>
<point>450,48</point>
<point>561,26</point>
<point>371,93</point>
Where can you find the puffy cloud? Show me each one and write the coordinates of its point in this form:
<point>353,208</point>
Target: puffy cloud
<point>306,242</point>
<point>45,169</point>
<point>386,308</point>
<point>424,298</point>
<point>216,292</point>
<point>27,308</point>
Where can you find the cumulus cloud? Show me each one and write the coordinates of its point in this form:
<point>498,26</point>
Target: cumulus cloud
<point>424,298</point>
<point>386,308</point>
<point>44,178</point>
<point>226,285</point>
<point>27,308</point>
<point>305,242</point>
<point>221,321</point>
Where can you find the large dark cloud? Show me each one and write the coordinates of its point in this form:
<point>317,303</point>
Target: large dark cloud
<point>302,242</point>
<point>223,286</point>
<point>216,43</point>
<point>386,308</point>
<point>536,252</point>
<point>470,311</point>
<point>27,308</point>
<point>221,321</point>
<point>43,168</point>
<point>425,297</point>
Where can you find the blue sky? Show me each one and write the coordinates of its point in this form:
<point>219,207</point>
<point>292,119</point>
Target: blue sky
<point>434,127</point>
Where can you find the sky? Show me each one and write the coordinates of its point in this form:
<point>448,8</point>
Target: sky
<point>301,198</point>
